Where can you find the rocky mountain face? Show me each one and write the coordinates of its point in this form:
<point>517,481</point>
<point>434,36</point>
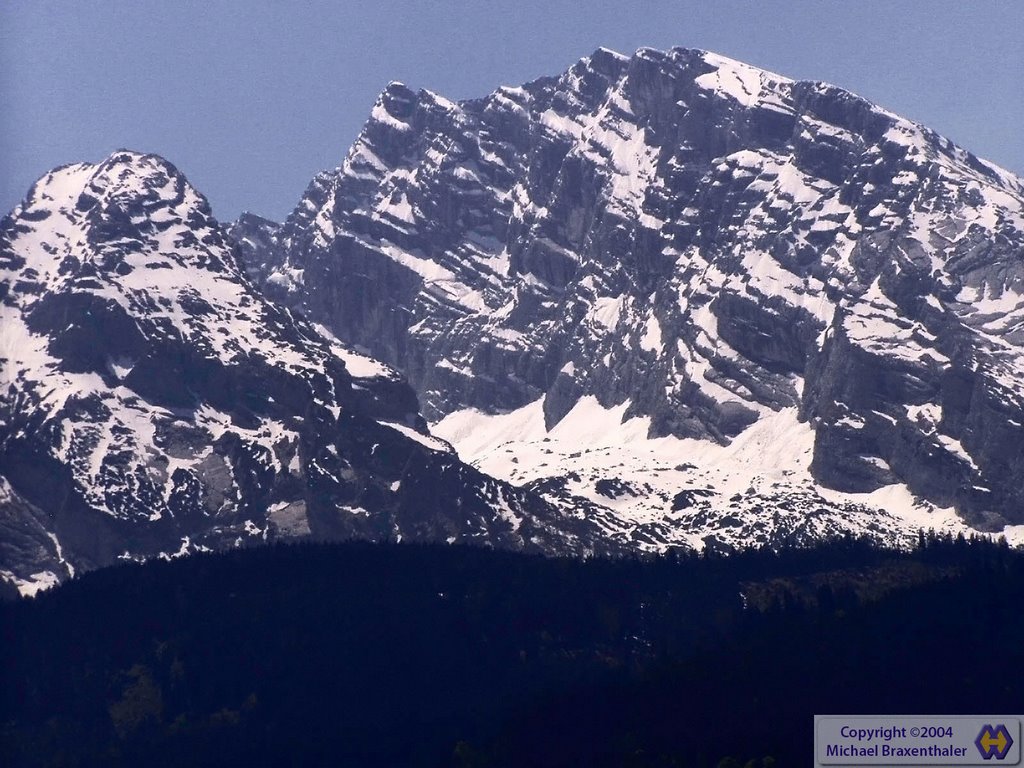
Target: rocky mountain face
<point>153,403</point>
<point>708,250</point>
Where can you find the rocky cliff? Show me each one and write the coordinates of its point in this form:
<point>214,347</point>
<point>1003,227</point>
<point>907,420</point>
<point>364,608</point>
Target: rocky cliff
<point>696,242</point>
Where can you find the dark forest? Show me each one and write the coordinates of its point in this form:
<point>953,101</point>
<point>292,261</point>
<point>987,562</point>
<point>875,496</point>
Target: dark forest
<point>359,654</point>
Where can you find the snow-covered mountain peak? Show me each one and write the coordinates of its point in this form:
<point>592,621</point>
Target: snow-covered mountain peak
<point>129,211</point>
<point>601,52</point>
<point>125,177</point>
<point>153,402</point>
<point>394,105</point>
<point>703,240</point>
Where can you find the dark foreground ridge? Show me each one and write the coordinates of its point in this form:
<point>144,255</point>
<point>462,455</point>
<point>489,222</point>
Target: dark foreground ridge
<point>361,654</point>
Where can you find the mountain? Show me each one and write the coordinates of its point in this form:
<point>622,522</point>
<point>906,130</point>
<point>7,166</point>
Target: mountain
<point>153,403</point>
<point>660,300</point>
<point>698,299</point>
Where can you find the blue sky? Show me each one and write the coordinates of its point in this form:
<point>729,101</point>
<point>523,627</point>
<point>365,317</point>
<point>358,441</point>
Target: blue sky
<point>250,99</point>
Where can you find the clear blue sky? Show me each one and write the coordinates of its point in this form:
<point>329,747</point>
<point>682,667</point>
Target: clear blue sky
<point>250,99</point>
